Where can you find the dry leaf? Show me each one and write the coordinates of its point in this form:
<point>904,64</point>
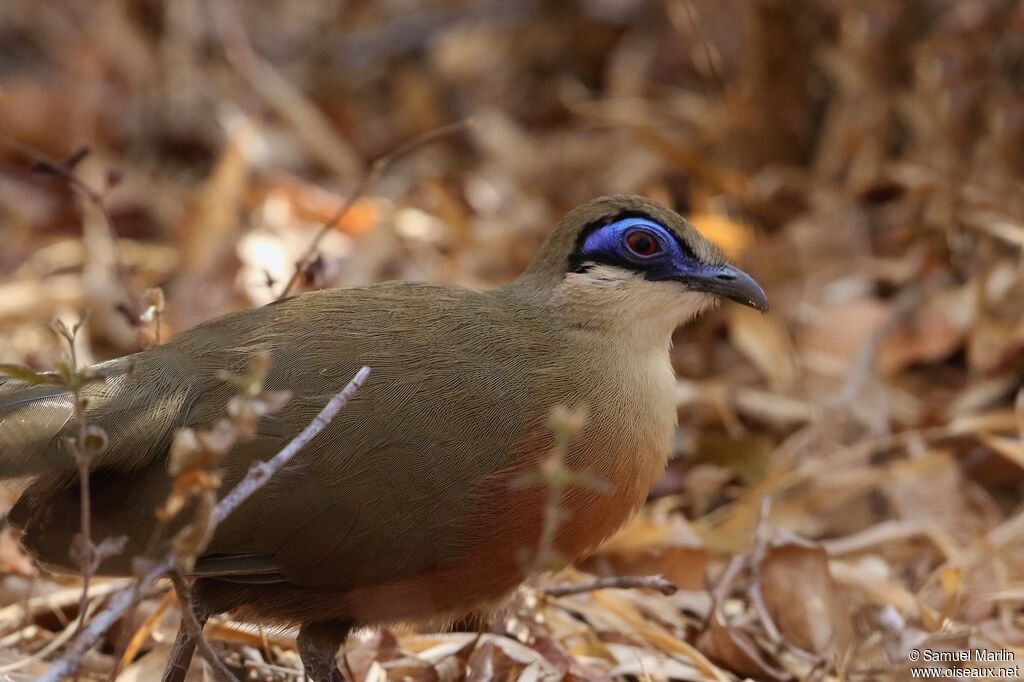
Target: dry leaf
<point>842,332</point>
<point>648,547</point>
<point>733,237</point>
<point>765,341</point>
<point>735,651</point>
<point>803,600</point>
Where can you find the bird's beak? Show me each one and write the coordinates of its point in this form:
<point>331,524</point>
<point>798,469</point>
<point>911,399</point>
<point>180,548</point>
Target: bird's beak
<point>728,282</point>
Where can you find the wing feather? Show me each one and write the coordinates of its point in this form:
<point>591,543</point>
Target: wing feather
<point>387,489</point>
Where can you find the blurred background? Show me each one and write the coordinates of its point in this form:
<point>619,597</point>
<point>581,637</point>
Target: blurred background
<point>848,472</point>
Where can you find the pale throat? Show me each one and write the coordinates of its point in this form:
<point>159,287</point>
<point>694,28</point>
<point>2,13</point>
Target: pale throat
<point>622,303</point>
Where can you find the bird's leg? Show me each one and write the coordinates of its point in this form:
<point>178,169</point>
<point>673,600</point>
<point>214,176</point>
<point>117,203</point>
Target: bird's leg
<point>185,644</point>
<point>318,648</point>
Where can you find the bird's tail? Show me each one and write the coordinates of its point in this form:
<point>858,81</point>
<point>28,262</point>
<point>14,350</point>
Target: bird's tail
<point>31,421</point>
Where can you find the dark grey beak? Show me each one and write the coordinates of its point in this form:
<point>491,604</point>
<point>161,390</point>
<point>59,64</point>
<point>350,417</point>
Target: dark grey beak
<point>728,282</point>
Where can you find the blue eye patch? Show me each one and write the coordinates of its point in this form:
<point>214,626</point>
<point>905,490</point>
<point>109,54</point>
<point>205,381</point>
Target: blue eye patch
<point>635,243</point>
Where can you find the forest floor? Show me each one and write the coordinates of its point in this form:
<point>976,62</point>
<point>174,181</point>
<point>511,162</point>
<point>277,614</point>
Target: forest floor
<point>847,476</point>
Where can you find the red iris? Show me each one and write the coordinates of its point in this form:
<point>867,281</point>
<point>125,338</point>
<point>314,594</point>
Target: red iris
<point>643,243</point>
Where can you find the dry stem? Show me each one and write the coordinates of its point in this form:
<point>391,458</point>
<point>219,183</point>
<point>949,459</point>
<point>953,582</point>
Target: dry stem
<point>83,446</point>
<point>311,126</point>
<point>258,475</point>
<point>647,582</point>
<point>87,547</point>
<point>66,171</point>
<point>377,168</point>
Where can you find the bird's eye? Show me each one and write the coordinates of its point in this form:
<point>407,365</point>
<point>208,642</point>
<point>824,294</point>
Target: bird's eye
<point>643,243</point>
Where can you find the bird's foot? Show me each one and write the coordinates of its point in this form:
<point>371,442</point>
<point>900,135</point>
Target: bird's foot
<point>185,641</point>
<point>318,645</point>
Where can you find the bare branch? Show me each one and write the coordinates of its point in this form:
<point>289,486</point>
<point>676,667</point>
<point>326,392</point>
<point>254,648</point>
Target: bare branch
<point>762,539</point>
<point>67,172</point>
<point>258,475</point>
<point>312,128</point>
<point>104,620</point>
<point>627,582</point>
<point>864,363</point>
<point>762,536</point>
<point>377,169</point>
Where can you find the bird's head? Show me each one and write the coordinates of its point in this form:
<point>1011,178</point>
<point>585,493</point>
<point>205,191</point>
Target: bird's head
<point>629,260</point>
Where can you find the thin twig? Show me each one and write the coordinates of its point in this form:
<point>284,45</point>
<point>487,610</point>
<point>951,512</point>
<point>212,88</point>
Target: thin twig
<point>86,546</point>
<point>689,14</point>
<point>376,169</point>
<point>23,613</point>
<point>87,443</point>
<point>721,590</point>
<point>258,475</point>
<point>762,538</point>
<point>311,126</point>
<point>51,646</point>
<point>104,620</point>
<point>547,555</point>
<point>412,30</point>
<point>66,171</point>
<point>625,582</point>
<point>762,535</point>
<point>863,366</point>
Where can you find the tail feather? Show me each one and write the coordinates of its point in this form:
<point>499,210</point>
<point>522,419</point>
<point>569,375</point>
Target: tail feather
<point>137,410</point>
<point>31,419</point>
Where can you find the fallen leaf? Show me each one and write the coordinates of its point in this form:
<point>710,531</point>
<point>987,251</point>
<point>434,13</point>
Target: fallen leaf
<point>764,340</point>
<point>733,237</point>
<point>735,651</point>
<point>842,332</point>
<point>648,547</point>
<point>802,598</point>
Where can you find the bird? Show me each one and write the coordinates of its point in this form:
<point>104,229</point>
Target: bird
<point>410,506</point>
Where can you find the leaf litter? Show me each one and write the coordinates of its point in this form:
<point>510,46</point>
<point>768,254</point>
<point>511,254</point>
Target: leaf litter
<point>848,471</point>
